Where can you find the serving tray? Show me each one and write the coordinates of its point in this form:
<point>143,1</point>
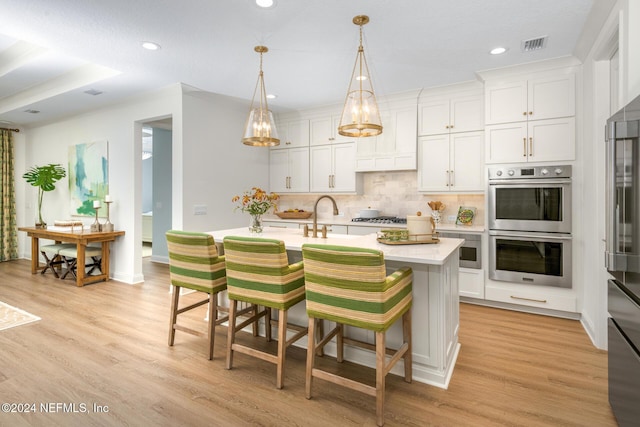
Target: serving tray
<point>413,239</point>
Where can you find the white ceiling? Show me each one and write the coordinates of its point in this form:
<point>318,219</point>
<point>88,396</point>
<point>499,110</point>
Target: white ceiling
<point>53,51</point>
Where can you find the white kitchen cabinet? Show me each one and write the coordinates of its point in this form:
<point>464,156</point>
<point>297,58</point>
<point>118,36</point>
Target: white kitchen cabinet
<point>332,168</point>
<point>281,224</point>
<point>396,147</point>
<point>536,98</point>
<point>532,296</point>
<point>463,113</point>
<point>324,130</point>
<point>289,170</point>
<point>360,230</point>
<point>533,141</point>
<point>471,282</point>
<point>451,162</point>
<point>293,133</point>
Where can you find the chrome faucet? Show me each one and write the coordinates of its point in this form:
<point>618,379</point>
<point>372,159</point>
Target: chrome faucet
<point>315,214</point>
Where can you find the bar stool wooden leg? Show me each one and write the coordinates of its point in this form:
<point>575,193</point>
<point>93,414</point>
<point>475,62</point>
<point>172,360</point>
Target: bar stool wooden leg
<point>311,353</point>
<point>380,376</point>
<point>231,332</point>
<point>213,314</point>
<point>174,314</point>
<point>408,357</point>
<point>282,346</point>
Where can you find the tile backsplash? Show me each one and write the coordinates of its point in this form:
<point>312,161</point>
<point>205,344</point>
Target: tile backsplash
<point>393,194</point>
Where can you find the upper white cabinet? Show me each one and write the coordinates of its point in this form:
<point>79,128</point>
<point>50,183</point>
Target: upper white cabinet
<point>546,97</point>
<point>451,163</point>
<point>457,113</point>
<point>332,168</point>
<point>293,133</point>
<point>324,130</point>
<point>535,141</point>
<point>289,170</point>
<point>532,119</point>
<point>395,148</point>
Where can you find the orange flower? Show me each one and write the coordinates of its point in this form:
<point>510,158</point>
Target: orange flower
<point>256,201</point>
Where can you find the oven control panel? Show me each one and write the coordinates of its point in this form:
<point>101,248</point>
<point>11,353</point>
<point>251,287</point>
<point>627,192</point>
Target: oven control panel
<point>524,172</point>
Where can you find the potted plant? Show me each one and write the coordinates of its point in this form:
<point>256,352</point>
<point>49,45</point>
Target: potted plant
<point>44,177</point>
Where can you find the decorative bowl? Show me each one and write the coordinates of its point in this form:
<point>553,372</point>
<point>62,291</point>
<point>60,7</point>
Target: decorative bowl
<point>294,215</point>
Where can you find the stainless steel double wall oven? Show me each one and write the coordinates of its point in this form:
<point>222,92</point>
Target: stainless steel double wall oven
<point>530,225</point>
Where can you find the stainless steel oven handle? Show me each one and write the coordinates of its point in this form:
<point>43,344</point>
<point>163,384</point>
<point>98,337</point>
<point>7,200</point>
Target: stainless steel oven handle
<point>530,182</point>
<point>524,234</point>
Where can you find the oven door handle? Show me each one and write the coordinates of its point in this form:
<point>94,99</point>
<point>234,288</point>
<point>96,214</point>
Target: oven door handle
<point>531,182</point>
<point>545,236</point>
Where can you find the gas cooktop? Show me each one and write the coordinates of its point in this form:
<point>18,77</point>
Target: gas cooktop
<point>382,220</point>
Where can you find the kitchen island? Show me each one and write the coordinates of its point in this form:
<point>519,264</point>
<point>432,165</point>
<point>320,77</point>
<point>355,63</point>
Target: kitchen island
<point>435,313</point>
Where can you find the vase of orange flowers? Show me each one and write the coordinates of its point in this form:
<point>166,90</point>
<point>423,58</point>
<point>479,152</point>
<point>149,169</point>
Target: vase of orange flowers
<point>256,203</point>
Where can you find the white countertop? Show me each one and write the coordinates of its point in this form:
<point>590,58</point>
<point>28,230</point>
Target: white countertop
<point>435,253</point>
<point>452,228</point>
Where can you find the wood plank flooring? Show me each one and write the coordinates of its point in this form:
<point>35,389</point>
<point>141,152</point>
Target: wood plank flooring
<point>106,344</point>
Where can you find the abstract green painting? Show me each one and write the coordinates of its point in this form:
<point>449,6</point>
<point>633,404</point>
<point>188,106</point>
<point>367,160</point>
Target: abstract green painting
<point>88,176</point>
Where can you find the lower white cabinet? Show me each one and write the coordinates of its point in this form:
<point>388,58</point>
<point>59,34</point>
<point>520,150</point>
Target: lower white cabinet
<point>281,224</point>
<point>471,282</point>
<point>451,162</point>
<point>532,296</point>
<point>332,168</point>
<point>549,140</point>
<point>289,170</point>
<point>362,230</point>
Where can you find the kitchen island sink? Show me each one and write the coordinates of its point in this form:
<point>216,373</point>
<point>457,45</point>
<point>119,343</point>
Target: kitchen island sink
<point>435,314</point>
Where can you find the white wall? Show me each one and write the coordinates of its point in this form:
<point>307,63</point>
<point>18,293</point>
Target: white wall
<point>216,164</point>
<point>619,28</point>
<point>49,143</point>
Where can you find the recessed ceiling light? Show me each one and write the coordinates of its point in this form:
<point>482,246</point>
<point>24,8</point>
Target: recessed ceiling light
<point>265,3</point>
<point>498,50</point>
<point>150,45</point>
<point>271,96</point>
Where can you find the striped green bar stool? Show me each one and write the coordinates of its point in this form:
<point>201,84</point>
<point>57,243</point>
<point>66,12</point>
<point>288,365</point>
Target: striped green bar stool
<point>349,286</point>
<point>258,272</point>
<point>51,254</point>
<point>194,264</point>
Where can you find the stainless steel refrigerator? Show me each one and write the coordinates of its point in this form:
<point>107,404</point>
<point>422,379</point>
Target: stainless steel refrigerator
<point>622,260</point>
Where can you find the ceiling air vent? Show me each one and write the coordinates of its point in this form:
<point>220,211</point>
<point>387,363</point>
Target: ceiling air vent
<point>534,44</point>
<point>93,92</point>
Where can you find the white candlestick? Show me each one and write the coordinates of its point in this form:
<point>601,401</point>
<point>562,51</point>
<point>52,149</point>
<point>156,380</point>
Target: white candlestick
<point>96,204</point>
<point>107,198</point>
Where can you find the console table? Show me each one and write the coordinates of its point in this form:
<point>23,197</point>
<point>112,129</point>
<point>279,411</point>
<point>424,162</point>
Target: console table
<point>81,238</point>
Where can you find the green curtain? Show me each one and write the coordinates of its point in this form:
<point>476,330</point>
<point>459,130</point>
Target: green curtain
<point>8,229</point>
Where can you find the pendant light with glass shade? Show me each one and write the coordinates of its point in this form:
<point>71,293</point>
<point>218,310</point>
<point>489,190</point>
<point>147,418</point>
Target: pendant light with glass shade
<point>360,115</point>
<point>260,129</point>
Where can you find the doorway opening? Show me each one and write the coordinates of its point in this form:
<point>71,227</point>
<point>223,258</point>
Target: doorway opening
<point>156,188</point>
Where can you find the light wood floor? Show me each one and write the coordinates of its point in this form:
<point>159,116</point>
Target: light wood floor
<point>106,344</point>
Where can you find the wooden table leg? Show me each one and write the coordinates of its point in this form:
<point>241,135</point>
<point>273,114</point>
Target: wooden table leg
<point>80,265</point>
<point>105,260</point>
<point>35,254</point>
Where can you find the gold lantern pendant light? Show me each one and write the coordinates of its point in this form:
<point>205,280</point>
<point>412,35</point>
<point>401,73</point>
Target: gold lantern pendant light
<point>260,130</point>
<point>360,116</point>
